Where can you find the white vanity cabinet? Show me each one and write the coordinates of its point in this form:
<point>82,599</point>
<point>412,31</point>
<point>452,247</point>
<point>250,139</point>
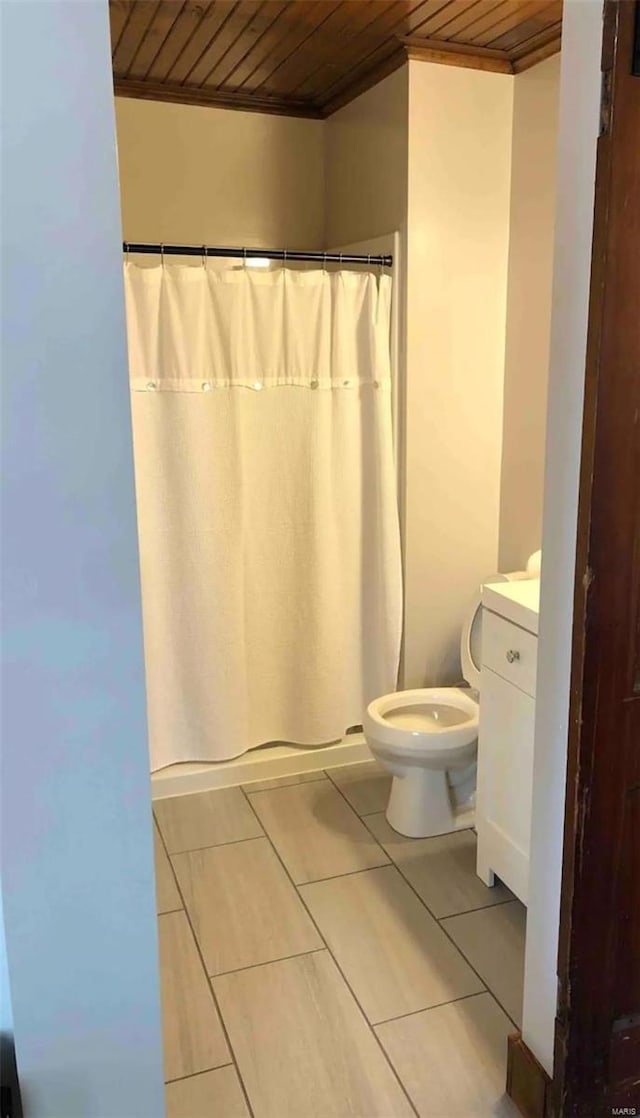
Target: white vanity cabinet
<point>505,741</point>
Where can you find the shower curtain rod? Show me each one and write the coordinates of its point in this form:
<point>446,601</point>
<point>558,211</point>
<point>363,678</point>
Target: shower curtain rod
<point>265,253</point>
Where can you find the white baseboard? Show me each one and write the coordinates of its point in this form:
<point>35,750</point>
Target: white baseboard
<point>259,764</point>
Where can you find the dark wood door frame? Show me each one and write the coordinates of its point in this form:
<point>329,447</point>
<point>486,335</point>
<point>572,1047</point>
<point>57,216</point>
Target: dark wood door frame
<point>597,1052</point>
<point>597,1035</point>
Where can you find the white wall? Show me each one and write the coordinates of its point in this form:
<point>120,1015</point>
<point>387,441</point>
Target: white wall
<point>533,202</point>
<point>193,175</point>
<point>77,872</point>
<point>460,124</point>
<point>579,120</point>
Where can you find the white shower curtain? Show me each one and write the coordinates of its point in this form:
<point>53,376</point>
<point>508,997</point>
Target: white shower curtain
<point>267,511</point>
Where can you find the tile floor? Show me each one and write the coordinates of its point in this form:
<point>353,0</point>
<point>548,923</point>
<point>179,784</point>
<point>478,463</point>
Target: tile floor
<point>315,964</point>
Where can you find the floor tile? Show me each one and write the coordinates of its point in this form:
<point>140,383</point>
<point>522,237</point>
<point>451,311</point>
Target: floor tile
<point>215,1094</point>
<point>167,895</point>
<point>302,1045</point>
<point>442,869</point>
<point>315,832</point>
<point>392,952</point>
<point>284,781</point>
<point>492,939</point>
<point>366,785</point>
<point>242,905</point>
<point>192,1034</point>
<point>453,1059</point>
<point>205,819</point>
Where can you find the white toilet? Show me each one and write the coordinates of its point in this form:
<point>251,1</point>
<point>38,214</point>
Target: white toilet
<point>428,740</point>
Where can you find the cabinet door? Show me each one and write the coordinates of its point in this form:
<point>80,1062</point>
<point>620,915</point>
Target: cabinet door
<point>505,778</point>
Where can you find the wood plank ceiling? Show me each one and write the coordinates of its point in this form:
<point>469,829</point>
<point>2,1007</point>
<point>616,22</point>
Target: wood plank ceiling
<point>310,57</point>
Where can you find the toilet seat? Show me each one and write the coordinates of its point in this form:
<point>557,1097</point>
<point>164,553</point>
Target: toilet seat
<point>453,716</point>
<point>470,643</point>
<point>425,736</point>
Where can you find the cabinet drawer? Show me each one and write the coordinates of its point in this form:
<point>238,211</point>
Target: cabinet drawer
<point>509,651</point>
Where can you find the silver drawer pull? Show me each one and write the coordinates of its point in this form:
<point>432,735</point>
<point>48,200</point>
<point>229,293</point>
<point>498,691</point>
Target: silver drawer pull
<point>512,655</point>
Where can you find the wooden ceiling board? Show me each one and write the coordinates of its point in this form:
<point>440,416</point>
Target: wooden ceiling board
<point>189,16</point>
<point>543,39</point>
<point>140,16</point>
<point>118,16</point>
<point>410,17</point>
<point>294,26</point>
<point>353,49</point>
<point>157,31</point>
<point>257,50</point>
<point>518,11</point>
<point>308,57</point>
<point>306,51</point>
<point>460,22</point>
<point>486,17</point>
<point>454,13</point>
<point>547,50</point>
<point>245,24</point>
<point>203,34</point>
<point>513,38</point>
<point>468,25</point>
<point>333,39</point>
<point>226,65</point>
<point>186,18</point>
<point>401,20</point>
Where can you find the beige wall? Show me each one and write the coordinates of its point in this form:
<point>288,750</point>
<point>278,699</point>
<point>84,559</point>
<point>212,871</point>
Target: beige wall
<point>460,125</point>
<point>366,163</point>
<point>533,197</point>
<point>198,175</point>
<point>428,152</point>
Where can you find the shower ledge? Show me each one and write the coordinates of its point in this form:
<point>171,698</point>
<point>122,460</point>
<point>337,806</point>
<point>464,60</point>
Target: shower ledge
<point>258,764</point>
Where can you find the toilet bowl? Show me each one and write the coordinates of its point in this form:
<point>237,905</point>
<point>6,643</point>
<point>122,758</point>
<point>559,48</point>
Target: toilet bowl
<point>428,739</point>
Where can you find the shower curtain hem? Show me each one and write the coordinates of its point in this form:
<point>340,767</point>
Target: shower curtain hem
<point>276,739</point>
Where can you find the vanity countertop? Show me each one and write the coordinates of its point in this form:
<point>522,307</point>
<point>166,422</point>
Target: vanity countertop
<point>517,601</point>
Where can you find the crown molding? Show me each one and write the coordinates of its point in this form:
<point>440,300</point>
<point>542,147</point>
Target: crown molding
<point>413,48</point>
<point>186,95</point>
<point>446,53</point>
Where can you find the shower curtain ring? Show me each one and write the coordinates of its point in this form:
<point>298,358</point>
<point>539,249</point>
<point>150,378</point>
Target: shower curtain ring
<point>204,257</point>
<point>126,252</point>
<point>244,259</point>
<point>162,255</point>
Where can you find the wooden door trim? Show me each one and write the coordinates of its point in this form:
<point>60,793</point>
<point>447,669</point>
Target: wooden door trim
<point>528,1084</point>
